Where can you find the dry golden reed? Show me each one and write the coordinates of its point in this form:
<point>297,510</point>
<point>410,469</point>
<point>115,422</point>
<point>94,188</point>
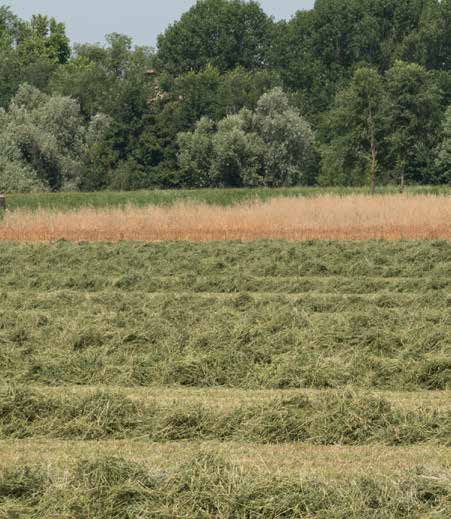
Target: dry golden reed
<point>357,217</point>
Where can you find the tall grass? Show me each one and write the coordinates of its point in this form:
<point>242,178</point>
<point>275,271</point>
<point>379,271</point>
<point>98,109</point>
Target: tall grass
<point>357,217</point>
<point>221,197</point>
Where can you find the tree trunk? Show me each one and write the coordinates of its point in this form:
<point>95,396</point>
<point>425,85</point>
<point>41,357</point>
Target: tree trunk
<point>373,166</point>
<point>2,202</point>
<point>373,146</point>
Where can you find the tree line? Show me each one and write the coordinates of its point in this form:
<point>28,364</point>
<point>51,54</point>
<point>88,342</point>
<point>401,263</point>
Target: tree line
<point>351,92</point>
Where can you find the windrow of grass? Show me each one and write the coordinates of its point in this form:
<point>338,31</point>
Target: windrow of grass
<point>223,197</point>
<point>312,340</point>
<point>207,486</point>
<point>344,418</point>
<point>223,284</point>
<point>120,348</point>
<point>372,314</point>
<point>146,266</point>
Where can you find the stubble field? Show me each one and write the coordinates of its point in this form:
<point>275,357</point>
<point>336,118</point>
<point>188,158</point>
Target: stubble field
<point>260,378</point>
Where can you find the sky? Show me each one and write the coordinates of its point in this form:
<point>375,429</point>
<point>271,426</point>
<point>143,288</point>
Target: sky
<point>87,21</point>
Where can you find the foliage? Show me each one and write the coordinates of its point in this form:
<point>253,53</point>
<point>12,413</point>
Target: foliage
<point>355,129</point>
<point>265,147</point>
<point>29,52</point>
<point>220,58</point>
<point>414,115</point>
<point>223,33</point>
<point>443,162</point>
<point>43,141</point>
<point>17,177</point>
<point>389,123</point>
<point>317,51</point>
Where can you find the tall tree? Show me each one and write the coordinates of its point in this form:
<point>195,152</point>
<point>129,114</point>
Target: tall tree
<point>222,33</point>
<point>443,162</point>
<point>29,52</point>
<point>44,141</point>
<point>317,51</point>
<point>430,44</point>
<point>355,128</point>
<point>414,118</point>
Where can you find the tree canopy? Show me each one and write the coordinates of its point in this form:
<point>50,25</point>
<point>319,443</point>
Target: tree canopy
<point>222,33</point>
<point>269,146</point>
<point>366,82</point>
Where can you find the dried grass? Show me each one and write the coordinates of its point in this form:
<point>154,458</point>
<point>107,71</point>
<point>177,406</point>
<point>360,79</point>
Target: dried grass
<point>357,217</point>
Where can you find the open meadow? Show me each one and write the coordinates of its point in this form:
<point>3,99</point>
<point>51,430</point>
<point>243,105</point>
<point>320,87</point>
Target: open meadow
<point>225,259</point>
<point>232,378</point>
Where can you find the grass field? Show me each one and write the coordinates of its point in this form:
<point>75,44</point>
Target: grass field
<point>260,379</point>
<point>218,197</point>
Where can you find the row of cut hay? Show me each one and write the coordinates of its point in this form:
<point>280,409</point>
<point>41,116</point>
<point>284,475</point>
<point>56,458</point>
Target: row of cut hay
<point>207,486</point>
<point>120,338</point>
<point>357,217</point>
<point>264,265</point>
<point>340,418</point>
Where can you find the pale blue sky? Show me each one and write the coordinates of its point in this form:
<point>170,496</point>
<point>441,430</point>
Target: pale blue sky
<point>90,20</point>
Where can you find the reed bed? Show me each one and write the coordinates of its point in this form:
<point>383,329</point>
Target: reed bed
<point>328,217</point>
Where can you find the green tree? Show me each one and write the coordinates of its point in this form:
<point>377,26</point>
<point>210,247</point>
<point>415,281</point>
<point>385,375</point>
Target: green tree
<point>29,52</point>
<point>43,37</point>
<point>239,152</point>
<point>112,80</point>
<point>430,44</point>
<point>43,139</point>
<point>195,157</point>
<point>223,33</point>
<point>176,104</point>
<point>443,161</point>
<point>269,146</point>
<point>318,51</point>
<point>98,75</point>
<point>9,27</point>
<point>355,129</point>
<point>287,137</point>
<point>414,118</point>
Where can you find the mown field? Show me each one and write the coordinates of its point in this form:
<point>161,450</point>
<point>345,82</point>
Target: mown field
<point>225,379</point>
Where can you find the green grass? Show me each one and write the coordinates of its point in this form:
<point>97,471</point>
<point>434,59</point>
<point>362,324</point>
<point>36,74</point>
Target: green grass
<point>338,418</point>
<point>305,374</point>
<point>238,341</point>
<point>210,196</point>
<point>207,486</point>
<point>223,266</point>
<point>260,315</point>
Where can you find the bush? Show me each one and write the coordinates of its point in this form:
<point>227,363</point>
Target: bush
<point>16,177</point>
<point>44,141</point>
<point>272,146</point>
